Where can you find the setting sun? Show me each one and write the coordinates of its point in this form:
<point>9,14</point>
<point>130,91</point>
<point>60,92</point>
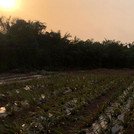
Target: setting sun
<point>8,4</point>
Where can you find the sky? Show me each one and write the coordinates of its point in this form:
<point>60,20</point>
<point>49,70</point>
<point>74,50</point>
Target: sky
<point>86,19</point>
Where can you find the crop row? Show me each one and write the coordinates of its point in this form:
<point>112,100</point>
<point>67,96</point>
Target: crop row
<point>48,101</point>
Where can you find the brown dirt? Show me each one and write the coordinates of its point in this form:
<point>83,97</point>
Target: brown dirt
<point>130,130</point>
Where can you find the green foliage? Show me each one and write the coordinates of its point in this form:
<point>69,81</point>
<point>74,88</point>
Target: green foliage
<point>44,105</point>
<point>27,44</point>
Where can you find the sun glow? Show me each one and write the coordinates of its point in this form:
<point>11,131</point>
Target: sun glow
<point>8,4</point>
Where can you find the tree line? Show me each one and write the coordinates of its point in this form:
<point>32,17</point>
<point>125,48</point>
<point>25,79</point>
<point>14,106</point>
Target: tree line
<point>28,45</point>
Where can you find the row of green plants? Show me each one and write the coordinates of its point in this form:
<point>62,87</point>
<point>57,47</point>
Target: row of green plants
<point>129,119</point>
<point>101,109</point>
<point>51,87</point>
<point>114,119</point>
<point>51,100</point>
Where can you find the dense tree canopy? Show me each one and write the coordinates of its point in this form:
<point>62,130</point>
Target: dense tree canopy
<point>27,44</point>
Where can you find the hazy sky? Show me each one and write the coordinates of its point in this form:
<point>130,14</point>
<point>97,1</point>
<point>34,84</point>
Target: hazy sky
<point>97,19</point>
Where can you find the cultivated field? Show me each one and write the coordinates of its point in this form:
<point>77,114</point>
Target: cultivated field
<point>77,102</point>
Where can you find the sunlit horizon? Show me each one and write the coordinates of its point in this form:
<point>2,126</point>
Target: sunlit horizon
<point>85,19</point>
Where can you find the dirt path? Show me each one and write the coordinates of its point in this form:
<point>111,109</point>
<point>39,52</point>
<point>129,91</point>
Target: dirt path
<point>10,78</point>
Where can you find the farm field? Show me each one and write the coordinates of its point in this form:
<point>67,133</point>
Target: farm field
<point>72,102</point>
